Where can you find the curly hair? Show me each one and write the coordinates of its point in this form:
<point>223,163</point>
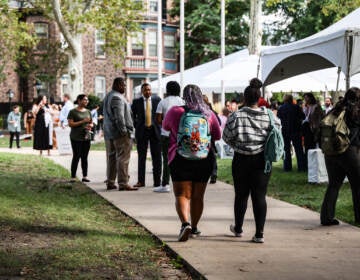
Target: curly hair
<point>252,92</point>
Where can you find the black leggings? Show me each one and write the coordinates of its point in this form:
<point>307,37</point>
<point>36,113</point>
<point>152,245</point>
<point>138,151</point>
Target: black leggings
<point>249,178</point>
<point>16,134</point>
<point>346,164</point>
<point>80,151</point>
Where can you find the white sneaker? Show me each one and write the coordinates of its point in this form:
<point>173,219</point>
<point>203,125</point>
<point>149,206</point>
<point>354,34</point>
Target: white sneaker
<point>237,234</point>
<point>162,189</point>
<point>258,239</point>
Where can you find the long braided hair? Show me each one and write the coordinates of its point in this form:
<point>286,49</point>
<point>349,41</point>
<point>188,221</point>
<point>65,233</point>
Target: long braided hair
<point>194,100</point>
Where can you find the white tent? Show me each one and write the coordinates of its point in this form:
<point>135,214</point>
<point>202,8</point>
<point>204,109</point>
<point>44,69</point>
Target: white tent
<point>238,74</point>
<point>196,75</point>
<point>239,68</point>
<point>337,45</point>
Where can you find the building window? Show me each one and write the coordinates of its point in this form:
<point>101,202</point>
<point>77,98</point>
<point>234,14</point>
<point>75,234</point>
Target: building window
<point>169,46</point>
<point>100,86</point>
<point>137,47</point>
<point>153,6</point>
<point>152,43</point>
<point>99,44</point>
<point>42,33</point>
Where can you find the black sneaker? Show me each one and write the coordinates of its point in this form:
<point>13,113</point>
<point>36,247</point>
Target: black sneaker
<point>213,179</point>
<point>195,232</point>
<point>184,232</point>
<point>332,222</point>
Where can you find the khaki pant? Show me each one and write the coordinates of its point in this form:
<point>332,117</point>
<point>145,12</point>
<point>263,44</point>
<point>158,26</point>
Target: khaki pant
<point>118,158</point>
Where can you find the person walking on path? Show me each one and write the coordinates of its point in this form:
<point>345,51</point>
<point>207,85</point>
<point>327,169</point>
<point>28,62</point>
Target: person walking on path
<point>189,176</point>
<point>14,126</point>
<point>147,130</point>
<point>246,131</point>
<point>118,126</point>
<point>346,164</point>
<point>68,105</point>
<point>79,120</point>
<point>291,117</point>
<point>172,99</point>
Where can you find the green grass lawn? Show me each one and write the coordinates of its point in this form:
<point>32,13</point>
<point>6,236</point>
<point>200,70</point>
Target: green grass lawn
<point>294,188</point>
<point>4,143</point>
<point>52,229</point>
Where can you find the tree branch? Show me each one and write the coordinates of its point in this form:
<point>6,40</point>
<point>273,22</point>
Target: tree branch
<point>87,6</point>
<point>55,5</point>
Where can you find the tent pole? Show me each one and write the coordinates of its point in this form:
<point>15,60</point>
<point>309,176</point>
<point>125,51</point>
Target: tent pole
<point>349,46</point>
<point>222,51</point>
<point>159,48</point>
<point>338,79</point>
<point>182,43</point>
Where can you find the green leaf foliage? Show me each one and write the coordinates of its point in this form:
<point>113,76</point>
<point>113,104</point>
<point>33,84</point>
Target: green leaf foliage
<point>14,35</point>
<point>202,28</point>
<point>301,18</point>
<point>115,18</point>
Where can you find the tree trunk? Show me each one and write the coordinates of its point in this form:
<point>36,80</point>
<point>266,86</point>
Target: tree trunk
<point>75,69</point>
<point>74,40</point>
<point>255,27</point>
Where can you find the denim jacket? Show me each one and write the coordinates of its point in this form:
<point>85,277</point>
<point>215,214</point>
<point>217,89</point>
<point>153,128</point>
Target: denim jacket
<point>14,127</point>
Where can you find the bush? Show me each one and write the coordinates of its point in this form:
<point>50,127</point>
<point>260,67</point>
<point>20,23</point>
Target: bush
<point>94,101</point>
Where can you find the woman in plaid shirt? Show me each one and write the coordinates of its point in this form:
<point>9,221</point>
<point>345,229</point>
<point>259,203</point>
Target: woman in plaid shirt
<point>246,131</point>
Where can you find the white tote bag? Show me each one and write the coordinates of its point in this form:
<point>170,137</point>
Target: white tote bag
<point>63,140</point>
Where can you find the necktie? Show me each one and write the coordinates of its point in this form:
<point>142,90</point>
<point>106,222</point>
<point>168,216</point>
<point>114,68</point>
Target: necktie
<point>148,113</point>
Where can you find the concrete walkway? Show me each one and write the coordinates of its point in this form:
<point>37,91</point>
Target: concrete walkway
<point>296,246</point>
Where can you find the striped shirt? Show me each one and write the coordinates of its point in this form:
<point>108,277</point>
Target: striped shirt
<point>246,130</point>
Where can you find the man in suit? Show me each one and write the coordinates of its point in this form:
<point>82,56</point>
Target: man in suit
<point>291,117</point>
<point>147,130</point>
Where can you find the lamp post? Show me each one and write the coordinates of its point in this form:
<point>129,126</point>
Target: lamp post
<point>10,94</point>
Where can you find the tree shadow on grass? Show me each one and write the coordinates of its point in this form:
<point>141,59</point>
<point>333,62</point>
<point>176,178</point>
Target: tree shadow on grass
<point>21,225</point>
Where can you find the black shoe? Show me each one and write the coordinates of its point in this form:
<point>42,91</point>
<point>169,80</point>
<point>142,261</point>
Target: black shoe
<point>184,232</point>
<point>85,180</point>
<point>195,232</point>
<point>213,179</point>
<point>332,222</point>
<point>110,187</point>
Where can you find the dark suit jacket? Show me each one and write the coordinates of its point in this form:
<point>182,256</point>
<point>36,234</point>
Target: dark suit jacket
<point>138,110</point>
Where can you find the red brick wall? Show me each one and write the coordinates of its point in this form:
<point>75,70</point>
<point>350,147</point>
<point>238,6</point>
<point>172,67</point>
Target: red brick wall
<point>93,66</point>
<point>11,82</point>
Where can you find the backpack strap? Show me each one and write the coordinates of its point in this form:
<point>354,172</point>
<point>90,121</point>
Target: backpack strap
<point>271,117</point>
<point>268,164</point>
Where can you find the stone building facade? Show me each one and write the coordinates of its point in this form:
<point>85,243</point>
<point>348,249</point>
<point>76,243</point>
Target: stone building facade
<point>140,64</point>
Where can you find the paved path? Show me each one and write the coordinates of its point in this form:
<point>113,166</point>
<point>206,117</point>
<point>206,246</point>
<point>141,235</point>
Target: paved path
<point>296,246</point>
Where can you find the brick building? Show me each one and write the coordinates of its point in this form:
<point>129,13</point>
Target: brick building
<point>140,64</point>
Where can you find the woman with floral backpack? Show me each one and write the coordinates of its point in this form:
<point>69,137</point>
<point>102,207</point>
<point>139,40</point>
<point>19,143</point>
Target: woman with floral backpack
<point>190,157</point>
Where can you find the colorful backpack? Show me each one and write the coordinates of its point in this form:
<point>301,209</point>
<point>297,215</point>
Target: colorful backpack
<point>334,134</point>
<point>274,145</point>
<point>193,138</point>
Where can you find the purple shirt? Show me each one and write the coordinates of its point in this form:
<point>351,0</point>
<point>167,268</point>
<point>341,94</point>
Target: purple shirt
<point>171,123</point>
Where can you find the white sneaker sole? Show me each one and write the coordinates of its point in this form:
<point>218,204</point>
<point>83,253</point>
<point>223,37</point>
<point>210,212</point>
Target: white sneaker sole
<point>184,236</point>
